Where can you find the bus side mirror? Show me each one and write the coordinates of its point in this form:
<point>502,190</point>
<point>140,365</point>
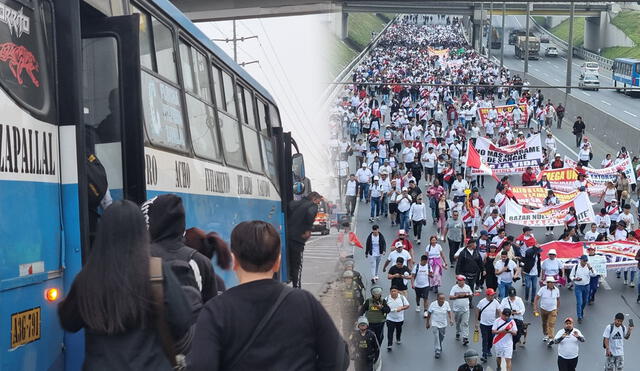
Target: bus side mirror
<point>297,167</point>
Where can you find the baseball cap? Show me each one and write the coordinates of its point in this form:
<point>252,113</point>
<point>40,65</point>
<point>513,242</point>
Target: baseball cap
<point>363,321</point>
<point>401,231</point>
<point>364,164</point>
<point>591,247</point>
<point>376,178</point>
<point>550,279</point>
<point>568,319</point>
<point>484,233</point>
<point>399,244</point>
<point>584,258</point>
<point>490,291</point>
<point>552,252</point>
<point>526,229</point>
<point>460,277</point>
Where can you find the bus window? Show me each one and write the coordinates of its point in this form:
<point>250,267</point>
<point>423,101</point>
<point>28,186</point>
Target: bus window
<point>187,71</point>
<point>248,101</point>
<point>201,75</point>
<point>252,147</point>
<point>217,86</point>
<point>202,124</point>
<point>146,44</point>
<point>262,118</point>
<point>242,114</point>
<point>274,118</point>
<point>25,69</point>
<point>163,42</point>
<point>269,159</point>
<point>162,113</point>
<point>231,143</point>
<point>227,88</point>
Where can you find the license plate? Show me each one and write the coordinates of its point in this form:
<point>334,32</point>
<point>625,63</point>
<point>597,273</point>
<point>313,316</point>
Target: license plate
<point>25,327</point>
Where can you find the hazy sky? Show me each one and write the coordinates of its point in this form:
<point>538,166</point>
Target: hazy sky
<point>292,67</point>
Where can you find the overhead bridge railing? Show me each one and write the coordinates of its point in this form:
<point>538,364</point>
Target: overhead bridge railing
<point>605,63</point>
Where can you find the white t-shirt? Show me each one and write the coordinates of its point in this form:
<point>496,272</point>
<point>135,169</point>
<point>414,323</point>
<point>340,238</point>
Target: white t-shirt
<point>462,304</point>
<point>591,236</point>
<point>394,304</point>
<point>507,276</point>
<point>616,338</point>
<point>375,245</point>
<point>516,305</point>
<point>507,339</point>
<point>488,315</point>
<point>421,273</point>
<point>548,298</point>
<point>568,347</point>
<point>429,160</point>
<point>438,314</point>
<point>551,267</point>
<point>433,251</point>
<point>394,255</point>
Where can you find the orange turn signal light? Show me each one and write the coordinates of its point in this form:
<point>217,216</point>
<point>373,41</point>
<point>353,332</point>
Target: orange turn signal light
<point>51,294</point>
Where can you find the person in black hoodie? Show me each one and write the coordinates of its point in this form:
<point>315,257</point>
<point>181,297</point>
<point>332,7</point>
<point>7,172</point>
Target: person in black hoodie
<point>302,214</point>
<point>111,298</point>
<point>366,347</point>
<point>261,323</point>
<point>531,268</point>
<point>375,239</point>
<point>470,264</point>
<point>165,219</point>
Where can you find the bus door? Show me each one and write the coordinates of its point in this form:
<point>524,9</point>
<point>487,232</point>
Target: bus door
<point>111,103</point>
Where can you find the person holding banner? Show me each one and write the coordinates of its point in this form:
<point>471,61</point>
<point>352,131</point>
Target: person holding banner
<point>550,200</point>
<point>504,329</point>
<point>594,278</point>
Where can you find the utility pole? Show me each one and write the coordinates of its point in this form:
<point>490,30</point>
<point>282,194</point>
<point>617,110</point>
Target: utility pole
<point>481,28</point>
<point>490,38</point>
<point>235,40</point>
<point>526,43</point>
<point>570,52</point>
<point>504,11</point>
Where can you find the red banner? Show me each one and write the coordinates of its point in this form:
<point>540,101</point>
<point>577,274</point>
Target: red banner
<point>619,254</point>
<point>534,196</point>
<point>505,115</point>
<point>563,180</point>
<point>551,215</point>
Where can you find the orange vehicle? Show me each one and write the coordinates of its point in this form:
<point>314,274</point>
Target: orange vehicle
<point>321,223</point>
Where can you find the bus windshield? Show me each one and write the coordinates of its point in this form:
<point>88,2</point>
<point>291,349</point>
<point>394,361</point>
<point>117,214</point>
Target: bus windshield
<point>24,60</point>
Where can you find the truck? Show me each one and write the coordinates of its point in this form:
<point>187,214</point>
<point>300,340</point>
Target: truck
<point>514,34</point>
<point>496,38</point>
<point>534,47</point>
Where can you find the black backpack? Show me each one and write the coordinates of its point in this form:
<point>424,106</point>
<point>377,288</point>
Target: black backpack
<point>96,181</point>
<point>624,331</point>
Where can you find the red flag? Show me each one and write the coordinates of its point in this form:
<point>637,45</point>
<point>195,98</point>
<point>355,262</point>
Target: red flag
<point>475,161</point>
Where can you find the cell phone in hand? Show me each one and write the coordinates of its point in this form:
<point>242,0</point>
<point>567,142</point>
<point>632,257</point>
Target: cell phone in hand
<point>631,322</point>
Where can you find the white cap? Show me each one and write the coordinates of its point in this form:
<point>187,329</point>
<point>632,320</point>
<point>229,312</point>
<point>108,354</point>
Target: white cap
<point>405,189</point>
<point>552,252</point>
<point>399,244</point>
<point>402,231</point>
<point>376,178</point>
<point>364,164</point>
<point>550,279</point>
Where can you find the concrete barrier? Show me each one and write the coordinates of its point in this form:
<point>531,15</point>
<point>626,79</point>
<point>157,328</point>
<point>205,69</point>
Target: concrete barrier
<point>612,131</point>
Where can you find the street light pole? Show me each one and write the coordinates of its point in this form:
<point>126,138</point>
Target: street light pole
<point>570,51</point>
<point>504,11</point>
<point>526,43</point>
<point>235,43</point>
<point>490,38</point>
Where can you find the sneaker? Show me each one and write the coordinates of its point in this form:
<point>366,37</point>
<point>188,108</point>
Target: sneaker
<point>483,359</point>
<point>545,339</point>
<point>370,220</point>
<point>418,309</point>
<point>638,299</point>
<point>437,354</point>
<point>458,337</point>
<point>419,244</point>
<point>426,313</point>
<point>465,341</point>
<point>376,278</point>
<point>625,282</point>
<point>632,284</point>
<point>489,355</point>
<point>377,218</point>
<point>579,320</point>
<point>389,348</point>
<point>398,342</point>
<point>617,274</point>
<point>373,281</point>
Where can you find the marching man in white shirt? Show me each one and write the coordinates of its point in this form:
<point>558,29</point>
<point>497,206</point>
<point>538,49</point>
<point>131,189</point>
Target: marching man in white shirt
<point>568,340</point>
<point>581,275</point>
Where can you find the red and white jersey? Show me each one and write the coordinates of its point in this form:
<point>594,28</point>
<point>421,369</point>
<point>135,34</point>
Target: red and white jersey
<point>501,201</point>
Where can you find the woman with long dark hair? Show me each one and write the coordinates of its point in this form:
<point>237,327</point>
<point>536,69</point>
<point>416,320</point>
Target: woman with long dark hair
<point>210,245</point>
<point>111,298</point>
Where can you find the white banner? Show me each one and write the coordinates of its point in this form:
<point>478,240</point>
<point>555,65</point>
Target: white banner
<point>512,159</point>
<point>552,215</point>
<point>607,174</point>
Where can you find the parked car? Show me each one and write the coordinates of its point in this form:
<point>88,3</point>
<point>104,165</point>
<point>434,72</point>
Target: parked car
<point>589,81</point>
<point>551,51</point>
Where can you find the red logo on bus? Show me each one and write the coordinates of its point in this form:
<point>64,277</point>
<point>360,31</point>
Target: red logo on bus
<point>19,59</point>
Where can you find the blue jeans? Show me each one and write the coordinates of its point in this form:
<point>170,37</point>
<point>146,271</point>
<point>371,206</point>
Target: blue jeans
<point>385,206</point>
<point>404,220</point>
<point>531,286</point>
<point>364,191</point>
<point>582,297</point>
<point>375,206</point>
<point>593,287</point>
<point>503,289</point>
<point>632,272</point>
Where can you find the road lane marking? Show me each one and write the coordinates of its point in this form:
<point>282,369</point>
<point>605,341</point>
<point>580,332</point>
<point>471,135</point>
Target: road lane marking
<point>556,80</point>
<point>605,284</point>
<point>605,102</point>
<point>632,114</point>
<point>537,70</point>
<point>585,93</point>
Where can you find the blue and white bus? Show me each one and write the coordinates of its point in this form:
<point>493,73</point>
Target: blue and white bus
<point>164,109</point>
<point>626,73</point>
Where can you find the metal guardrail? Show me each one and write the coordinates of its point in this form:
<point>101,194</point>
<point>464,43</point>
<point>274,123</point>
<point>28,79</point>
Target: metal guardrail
<point>332,89</point>
<point>580,52</point>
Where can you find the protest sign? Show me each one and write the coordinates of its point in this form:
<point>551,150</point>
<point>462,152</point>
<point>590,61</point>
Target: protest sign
<point>607,174</point>
<point>616,254</point>
<point>551,215</point>
<point>512,159</point>
<point>563,180</point>
<point>505,115</point>
<point>534,196</point>
<point>599,264</point>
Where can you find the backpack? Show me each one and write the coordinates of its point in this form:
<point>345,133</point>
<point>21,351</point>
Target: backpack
<point>96,181</point>
<point>624,331</point>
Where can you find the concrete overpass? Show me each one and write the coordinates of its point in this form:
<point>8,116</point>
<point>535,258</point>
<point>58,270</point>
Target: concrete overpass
<point>217,10</point>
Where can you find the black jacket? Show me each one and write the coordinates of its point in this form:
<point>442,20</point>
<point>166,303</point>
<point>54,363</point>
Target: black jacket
<point>366,346</point>
<point>469,264</point>
<point>300,336</point>
<point>466,367</point>
<point>578,127</point>
<point>139,348</point>
<point>302,214</point>
<point>530,256</point>
<point>369,246</point>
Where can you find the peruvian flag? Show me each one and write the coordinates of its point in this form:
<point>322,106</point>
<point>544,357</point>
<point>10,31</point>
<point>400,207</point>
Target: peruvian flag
<point>474,161</point>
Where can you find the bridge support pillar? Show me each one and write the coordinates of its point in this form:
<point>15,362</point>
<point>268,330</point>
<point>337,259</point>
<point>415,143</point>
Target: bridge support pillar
<point>344,28</point>
<point>594,33</point>
<point>476,30</point>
